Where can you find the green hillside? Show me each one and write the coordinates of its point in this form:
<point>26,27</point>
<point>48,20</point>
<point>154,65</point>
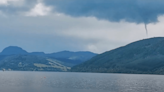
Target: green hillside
<point>144,56</point>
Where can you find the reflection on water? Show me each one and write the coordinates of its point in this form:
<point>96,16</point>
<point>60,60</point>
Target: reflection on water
<point>79,82</point>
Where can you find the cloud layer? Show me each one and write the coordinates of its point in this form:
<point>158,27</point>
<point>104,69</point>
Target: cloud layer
<point>136,11</point>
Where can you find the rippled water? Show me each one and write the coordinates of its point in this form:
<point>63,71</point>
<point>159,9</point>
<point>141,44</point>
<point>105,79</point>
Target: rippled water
<point>11,81</point>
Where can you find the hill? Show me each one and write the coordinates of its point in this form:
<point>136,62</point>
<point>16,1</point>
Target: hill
<point>11,50</point>
<point>144,56</point>
<point>15,58</point>
<point>73,58</point>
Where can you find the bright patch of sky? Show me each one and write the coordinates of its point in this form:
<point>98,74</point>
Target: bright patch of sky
<point>39,10</point>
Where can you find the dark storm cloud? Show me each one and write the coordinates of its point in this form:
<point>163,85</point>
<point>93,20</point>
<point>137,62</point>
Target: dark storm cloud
<point>137,11</point>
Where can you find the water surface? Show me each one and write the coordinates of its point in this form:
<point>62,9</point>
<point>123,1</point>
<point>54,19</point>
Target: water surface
<point>12,81</point>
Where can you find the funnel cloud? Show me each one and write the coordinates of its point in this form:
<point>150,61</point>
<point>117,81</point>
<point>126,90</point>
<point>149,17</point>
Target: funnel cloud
<point>146,29</point>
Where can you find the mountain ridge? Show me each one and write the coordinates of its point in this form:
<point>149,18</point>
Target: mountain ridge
<point>12,57</point>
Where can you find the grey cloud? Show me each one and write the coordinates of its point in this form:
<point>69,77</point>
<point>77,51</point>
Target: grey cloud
<point>137,11</point>
<point>13,8</point>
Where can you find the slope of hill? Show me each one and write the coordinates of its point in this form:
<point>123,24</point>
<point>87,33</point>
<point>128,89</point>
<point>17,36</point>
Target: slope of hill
<point>31,63</point>
<point>145,56</point>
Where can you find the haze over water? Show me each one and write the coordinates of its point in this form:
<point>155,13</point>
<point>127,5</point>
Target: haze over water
<point>11,81</point>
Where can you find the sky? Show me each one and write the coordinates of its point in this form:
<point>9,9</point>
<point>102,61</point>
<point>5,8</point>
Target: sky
<point>78,25</point>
